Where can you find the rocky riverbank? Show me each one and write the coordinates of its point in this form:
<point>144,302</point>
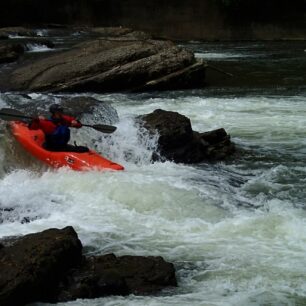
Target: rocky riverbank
<point>49,267</point>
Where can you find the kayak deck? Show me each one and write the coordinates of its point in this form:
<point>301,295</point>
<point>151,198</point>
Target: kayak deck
<point>32,141</point>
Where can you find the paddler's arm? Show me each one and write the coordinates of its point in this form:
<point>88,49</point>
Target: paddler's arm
<point>72,121</point>
<point>35,123</point>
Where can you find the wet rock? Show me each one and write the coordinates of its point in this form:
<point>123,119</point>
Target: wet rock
<point>111,65</point>
<point>77,106</point>
<point>179,143</point>
<point>214,137</point>
<point>32,266</point>
<point>144,275</point>
<point>99,111</point>
<point>173,128</point>
<point>10,52</point>
<point>49,267</point>
<point>219,144</point>
<point>111,275</point>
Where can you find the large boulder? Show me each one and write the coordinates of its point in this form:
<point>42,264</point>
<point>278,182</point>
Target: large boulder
<point>179,143</point>
<point>111,65</point>
<point>33,265</point>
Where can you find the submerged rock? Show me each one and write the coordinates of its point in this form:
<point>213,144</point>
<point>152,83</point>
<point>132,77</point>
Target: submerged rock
<point>49,267</point>
<point>99,111</point>
<point>112,65</point>
<point>179,143</point>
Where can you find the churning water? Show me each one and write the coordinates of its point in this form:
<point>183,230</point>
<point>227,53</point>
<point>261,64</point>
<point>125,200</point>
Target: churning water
<point>235,230</point>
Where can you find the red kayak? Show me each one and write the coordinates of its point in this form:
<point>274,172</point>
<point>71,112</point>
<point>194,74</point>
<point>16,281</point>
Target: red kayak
<point>32,141</point>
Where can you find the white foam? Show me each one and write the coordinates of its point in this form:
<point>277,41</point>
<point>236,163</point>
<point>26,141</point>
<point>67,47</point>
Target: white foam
<point>220,55</point>
<point>42,32</point>
<point>32,47</point>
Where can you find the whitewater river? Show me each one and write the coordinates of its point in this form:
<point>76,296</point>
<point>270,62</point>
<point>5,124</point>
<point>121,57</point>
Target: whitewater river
<point>235,230</point>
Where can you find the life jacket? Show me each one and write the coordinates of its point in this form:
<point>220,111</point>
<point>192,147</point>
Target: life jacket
<point>60,136</point>
<point>57,132</point>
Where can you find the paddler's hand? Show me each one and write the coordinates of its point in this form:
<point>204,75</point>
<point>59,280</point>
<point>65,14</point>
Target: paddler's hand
<point>76,124</point>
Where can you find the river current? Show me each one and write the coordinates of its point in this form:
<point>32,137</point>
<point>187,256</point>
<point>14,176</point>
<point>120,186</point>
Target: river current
<point>235,230</point>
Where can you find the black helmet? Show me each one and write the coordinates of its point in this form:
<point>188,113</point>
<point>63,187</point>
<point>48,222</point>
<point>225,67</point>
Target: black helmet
<point>55,108</point>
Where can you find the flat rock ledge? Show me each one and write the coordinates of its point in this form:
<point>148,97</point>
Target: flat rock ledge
<point>49,267</point>
<point>179,143</point>
<point>110,64</point>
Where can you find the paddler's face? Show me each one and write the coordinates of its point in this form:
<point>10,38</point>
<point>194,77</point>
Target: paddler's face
<point>58,115</point>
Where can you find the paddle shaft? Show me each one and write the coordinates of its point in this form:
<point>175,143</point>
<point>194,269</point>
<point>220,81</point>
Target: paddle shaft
<point>92,126</point>
<point>17,116</point>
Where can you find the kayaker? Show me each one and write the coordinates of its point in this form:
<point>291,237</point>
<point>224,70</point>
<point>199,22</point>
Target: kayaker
<point>56,130</point>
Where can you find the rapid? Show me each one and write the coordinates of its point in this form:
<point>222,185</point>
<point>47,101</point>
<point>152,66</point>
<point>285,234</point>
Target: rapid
<point>235,230</point>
